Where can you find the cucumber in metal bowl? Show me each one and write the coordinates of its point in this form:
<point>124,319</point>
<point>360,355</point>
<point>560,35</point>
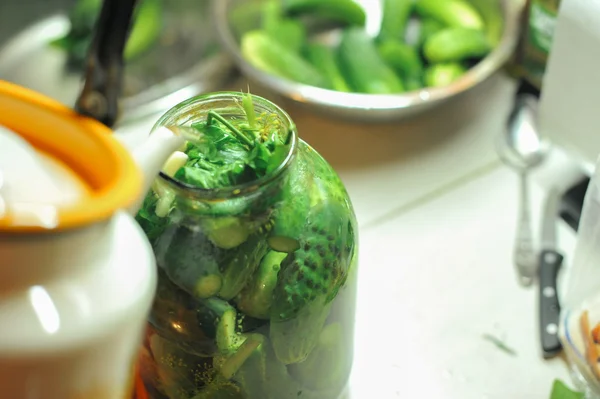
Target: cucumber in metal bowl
<point>369,61</point>
<point>172,52</point>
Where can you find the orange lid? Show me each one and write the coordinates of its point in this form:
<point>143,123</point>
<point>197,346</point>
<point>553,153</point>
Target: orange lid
<point>82,144</point>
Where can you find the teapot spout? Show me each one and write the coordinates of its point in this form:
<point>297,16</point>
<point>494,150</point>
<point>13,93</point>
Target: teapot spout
<point>150,157</point>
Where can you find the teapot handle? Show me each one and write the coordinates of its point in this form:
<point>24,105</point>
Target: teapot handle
<point>104,65</point>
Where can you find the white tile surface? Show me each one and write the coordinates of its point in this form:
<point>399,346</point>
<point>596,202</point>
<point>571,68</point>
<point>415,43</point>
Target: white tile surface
<point>432,282</point>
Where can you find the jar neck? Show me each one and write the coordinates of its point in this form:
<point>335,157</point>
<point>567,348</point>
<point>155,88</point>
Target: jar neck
<point>228,106</point>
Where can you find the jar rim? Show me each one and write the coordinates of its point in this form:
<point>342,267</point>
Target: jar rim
<point>238,190</point>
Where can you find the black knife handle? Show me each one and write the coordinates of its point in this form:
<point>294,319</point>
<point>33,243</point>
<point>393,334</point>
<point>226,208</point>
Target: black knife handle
<point>550,264</point>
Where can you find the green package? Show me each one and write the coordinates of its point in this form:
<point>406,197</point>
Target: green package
<point>536,40</point>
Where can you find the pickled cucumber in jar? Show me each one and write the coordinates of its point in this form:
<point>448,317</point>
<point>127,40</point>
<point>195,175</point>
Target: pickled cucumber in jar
<point>256,244</point>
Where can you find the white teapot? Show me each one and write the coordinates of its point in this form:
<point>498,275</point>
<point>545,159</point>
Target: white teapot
<point>77,279</point>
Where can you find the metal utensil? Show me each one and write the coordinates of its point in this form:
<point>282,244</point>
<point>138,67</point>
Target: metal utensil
<point>104,64</point>
<point>550,262</point>
<point>522,149</point>
<point>370,107</point>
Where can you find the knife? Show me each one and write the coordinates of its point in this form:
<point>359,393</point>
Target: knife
<point>550,264</point>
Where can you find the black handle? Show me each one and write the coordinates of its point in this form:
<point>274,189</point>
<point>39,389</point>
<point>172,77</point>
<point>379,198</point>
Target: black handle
<point>550,263</point>
<point>526,87</point>
<point>572,204</point>
<point>104,64</point>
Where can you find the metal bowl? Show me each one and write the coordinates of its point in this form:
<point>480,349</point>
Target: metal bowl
<point>187,60</point>
<point>373,107</point>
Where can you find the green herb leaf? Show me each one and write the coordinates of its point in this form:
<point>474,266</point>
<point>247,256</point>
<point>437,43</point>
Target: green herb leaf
<point>561,391</point>
<point>235,151</point>
<point>260,157</point>
<point>277,158</point>
<point>152,224</point>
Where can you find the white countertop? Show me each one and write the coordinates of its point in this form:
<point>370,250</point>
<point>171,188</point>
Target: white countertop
<point>437,214</point>
<point>433,281</point>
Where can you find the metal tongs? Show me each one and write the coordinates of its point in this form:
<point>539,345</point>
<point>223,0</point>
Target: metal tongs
<point>99,98</point>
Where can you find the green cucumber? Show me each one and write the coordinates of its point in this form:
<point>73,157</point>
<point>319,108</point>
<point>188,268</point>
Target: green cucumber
<point>238,265</point>
<point>263,376</point>
<point>267,54</point>
<point>323,58</point>
<point>493,16</point>
<point>233,363</point>
<point>254,373</point>
<point>228,365</point>
<point>147,25</point>
<point>208,285</point>
<point>293,339</point>
<point>246,16</point>
<point>283,243</point>
<point>439,75</point>
<point>455,13</point>
<point>405,60</point>
<point>366,71</point>
<point>272,13</point>
<point>456,44</point>
<point>289,32</point>
<point>209,312</point>
<point>290,217</point>
<point>190,261</point>
<point>225,232</point>
<point>308,282</point>
<point>427,28</point>
<point>255,300</point>
<point>344,11</point>
<point>396,14</point>
<point>227,338</point>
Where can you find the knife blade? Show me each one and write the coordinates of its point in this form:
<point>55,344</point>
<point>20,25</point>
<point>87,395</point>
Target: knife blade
<point>550,264</point>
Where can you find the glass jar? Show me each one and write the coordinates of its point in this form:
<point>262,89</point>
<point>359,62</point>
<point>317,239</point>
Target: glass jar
<point>257,282</point>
